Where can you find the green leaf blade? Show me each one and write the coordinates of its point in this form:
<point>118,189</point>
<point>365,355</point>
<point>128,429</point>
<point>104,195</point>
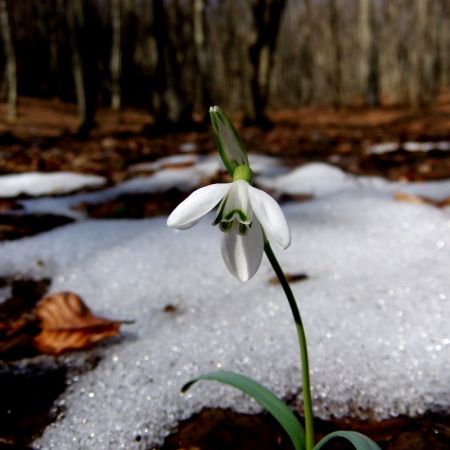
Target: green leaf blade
<point>269,401</point>
<point>359,441</point>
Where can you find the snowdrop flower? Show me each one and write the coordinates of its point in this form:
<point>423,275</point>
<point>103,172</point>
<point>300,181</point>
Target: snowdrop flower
<point>245,215</point>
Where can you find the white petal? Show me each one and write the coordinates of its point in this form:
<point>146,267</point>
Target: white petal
<point>199,203</point>
<point>243,254</point>
<point>272,219</point>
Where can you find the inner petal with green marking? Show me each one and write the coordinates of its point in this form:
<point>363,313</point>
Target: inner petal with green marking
<point>235,208</point>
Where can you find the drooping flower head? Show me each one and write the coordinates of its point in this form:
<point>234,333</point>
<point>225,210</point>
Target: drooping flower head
<point>246,216</point>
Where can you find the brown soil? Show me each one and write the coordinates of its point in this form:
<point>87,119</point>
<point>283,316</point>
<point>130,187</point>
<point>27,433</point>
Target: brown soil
<point>217,429</point>
<point>42,139</point>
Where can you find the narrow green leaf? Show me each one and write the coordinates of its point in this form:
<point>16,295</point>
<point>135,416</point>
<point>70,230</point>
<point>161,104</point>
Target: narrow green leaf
<point>264,397</point>
<point>359,441</point>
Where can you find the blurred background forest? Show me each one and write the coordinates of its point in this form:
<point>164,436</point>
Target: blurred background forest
<point>104,115</point>
<point>175,58</point>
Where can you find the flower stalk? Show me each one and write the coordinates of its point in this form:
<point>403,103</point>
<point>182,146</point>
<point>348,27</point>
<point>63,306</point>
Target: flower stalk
<point>306,385</point>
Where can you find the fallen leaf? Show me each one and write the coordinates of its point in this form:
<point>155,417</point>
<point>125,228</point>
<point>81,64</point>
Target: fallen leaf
<point>291,278</point>
<point>409,198</point>
<point>443,203</point>
<point>68,324</point>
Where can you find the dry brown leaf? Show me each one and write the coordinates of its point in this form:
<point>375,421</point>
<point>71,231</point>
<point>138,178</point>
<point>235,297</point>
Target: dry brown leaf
<point>68,324</point>
<point>291,277</point>
<point>409,198</point>
<point>443,203</point>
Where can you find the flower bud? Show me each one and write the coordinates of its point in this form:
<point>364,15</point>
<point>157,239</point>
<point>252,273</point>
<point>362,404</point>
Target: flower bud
<point>228,141</point>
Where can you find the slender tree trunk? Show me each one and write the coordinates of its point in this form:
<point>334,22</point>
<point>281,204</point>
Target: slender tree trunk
<point>116,54</point>
<point>202,83</point>
<point>267,19</point>
<point>444,44</point>
<point>368,57</point>
<point>335,26</point>
<point>306,56</point>
<point>391,70</point>
<point>170,104</point>
<point>416,53</point>
<point>84,61</point>
<point>432,61</point>
<point>75,16</point>
<point>53,13</point>
<point>11,71</point>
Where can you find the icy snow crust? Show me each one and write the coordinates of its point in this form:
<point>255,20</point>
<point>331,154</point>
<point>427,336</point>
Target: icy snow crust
<point>375,307</point>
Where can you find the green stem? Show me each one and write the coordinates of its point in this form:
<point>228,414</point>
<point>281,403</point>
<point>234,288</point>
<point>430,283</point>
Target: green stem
<point>307,402</point>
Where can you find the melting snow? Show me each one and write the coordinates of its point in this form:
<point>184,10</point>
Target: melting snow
<point>319,179</point>
<point>426,146</point>
<point>375,307</point>
<point>160,163</point>
<point>315,179</point>
<point>410,146</point>
<point>39,183</point>
<point>185,179</point>
<point>188,147</point>
<point>384,147</point>
<point>182,178</point>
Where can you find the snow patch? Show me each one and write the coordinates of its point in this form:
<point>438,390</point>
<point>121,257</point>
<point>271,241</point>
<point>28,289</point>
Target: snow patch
<point>166,161</point>
<point>315,179</point>
<point>184,179</point>
<point>409,146</point>
<point>39,183</point>
<point>375,306</point>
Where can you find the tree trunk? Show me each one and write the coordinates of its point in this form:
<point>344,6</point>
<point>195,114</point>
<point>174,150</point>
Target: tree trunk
<point>335,26</point>
<point>116,54</point>
<point>203,79</point>
<point>416,54</point>
<point>54,11</point>
<point>391,72</point>
<point>431,60</point>
<point>11,72</point>
<point>368,57</point>
<point>267,19</point>
<point>84,61</point>
<point>171,107</point>
<point>306,56</point>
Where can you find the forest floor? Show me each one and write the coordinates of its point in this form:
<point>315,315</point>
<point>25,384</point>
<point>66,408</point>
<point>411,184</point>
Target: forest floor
<point>43,139</point>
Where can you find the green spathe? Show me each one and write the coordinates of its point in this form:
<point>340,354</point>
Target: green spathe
<point>228,141</point>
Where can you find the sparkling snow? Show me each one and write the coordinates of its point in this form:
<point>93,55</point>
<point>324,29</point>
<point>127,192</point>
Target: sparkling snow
<point>375,306</point>
<point>40,183</point>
